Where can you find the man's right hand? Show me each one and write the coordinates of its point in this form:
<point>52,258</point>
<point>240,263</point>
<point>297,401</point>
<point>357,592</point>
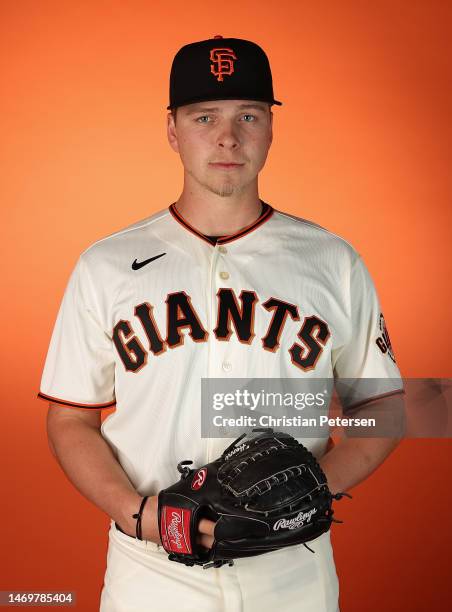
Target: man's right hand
<point>205,537</point>
<point>149,524</point>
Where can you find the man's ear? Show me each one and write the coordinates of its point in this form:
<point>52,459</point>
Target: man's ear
<point>271,127</point>
<point>172,133</point>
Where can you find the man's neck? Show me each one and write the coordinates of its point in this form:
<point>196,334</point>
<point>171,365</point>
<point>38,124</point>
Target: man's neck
<point>219,216</point>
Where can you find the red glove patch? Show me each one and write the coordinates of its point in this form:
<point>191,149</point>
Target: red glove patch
<point>175,529</point>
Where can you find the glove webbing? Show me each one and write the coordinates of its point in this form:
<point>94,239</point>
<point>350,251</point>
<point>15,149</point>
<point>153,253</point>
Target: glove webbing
<point>275,479</point>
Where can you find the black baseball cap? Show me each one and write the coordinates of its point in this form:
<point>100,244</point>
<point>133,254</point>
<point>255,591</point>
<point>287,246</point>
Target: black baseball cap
<point>220,69</point>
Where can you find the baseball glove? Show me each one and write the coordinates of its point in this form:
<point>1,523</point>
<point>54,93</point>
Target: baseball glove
<point>265,492</point>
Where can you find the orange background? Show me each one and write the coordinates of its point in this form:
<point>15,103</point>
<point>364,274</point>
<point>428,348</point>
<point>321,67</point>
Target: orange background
<point>360,147</point>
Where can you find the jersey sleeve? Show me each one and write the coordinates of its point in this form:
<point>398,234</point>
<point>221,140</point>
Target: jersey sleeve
<point>79,367</point>
<point>365,366</point>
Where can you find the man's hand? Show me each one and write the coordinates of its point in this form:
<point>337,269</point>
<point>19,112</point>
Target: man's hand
<point>353,459</point>
<point>205,529</point>
<point>149,524</point>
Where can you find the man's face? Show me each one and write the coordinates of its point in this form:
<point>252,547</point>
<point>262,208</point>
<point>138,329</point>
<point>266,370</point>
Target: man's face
<point>229,131</point>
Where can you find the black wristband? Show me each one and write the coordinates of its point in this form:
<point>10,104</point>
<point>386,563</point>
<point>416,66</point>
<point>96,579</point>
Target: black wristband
<point>138,517</point>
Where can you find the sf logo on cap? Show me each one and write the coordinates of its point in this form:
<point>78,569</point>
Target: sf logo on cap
<point>222,62</point>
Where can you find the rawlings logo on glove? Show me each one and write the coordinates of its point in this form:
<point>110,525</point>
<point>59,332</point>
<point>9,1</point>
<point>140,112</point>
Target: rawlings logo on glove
<point>264,494</point>
<point>297,521</point>
<point>199,479</point>
<point>176,523</point>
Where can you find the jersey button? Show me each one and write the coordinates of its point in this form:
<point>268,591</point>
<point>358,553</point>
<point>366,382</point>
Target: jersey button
<point>227,366</point>
<point>224,275</point>
<point>222,249</point>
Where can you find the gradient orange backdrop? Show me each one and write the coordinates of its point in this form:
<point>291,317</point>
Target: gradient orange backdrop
<point>361,146</point>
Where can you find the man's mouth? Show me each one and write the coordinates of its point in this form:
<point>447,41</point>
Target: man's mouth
<point>226,165</point>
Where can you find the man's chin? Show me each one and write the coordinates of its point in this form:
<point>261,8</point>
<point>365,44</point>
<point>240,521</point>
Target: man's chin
<point>225,190</point>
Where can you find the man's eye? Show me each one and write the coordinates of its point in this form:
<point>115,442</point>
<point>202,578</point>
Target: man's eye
<point>248,118</point>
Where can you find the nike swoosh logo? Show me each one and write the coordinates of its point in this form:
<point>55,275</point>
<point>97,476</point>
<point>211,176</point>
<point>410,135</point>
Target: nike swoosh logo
<point>137,265</point>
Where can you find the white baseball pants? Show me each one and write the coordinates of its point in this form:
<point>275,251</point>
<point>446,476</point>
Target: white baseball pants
<point>140,578</point>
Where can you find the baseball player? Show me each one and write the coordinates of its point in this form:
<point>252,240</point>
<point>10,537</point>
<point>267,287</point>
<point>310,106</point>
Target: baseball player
<point>219,284</point>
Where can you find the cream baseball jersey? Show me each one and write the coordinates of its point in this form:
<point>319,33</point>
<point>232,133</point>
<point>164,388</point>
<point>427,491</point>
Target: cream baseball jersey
<point>151,310</point>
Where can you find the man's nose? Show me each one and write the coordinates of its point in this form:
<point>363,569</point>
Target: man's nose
<point>228,137</point>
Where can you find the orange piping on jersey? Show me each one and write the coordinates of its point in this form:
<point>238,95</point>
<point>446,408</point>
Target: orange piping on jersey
<point>56,400</point>
<point>250,228</point>
<point>187,225</point>
<point>223,239</point>
<point>375,398</point>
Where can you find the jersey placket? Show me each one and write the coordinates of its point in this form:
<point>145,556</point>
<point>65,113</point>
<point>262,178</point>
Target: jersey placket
<point>219,365</point>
